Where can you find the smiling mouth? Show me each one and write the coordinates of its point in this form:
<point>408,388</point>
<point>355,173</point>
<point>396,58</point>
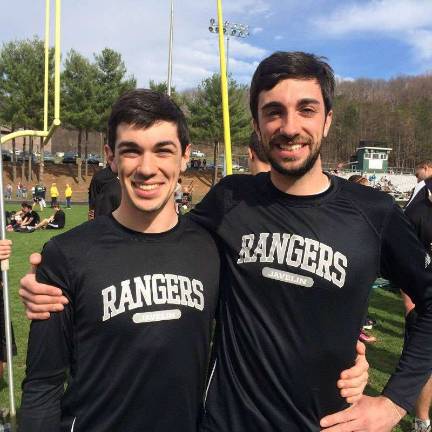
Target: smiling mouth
<point>290,147</point>
<point>146,187</point>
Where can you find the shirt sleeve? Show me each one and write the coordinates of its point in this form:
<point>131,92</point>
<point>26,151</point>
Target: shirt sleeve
<point>405,262</point>
<point>49,352</point>
<point>210,212</point>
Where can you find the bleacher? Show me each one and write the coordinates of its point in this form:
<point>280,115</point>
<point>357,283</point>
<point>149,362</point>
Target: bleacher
<point>403,182</point>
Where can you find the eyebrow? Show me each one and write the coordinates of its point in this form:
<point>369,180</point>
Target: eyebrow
<point>165,143</point>
<point>301,102</point>
<point>134,145</point>
<point>308,101</point>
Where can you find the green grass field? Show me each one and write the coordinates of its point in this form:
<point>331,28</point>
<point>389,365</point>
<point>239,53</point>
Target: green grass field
<point>385,307</point>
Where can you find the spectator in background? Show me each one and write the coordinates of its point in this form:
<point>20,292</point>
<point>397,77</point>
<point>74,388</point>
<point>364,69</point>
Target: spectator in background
<point>29,220</point>
<point>16,217</point>
<point>8,191</point>
<point>39,196</point>
<point>257,159</point>
<point>104,192</point>
<point>56,221</point>
<point>68,196</point>
<point>204,164</point>
<point>359,179</point>
<point>54,193</point>
<point>24,191</point>
<point>19,190</point>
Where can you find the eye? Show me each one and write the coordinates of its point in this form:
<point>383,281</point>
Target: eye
<point>129,152</point>
<point>165,151</point>
<point>308,111</point>
<point>272,113</point>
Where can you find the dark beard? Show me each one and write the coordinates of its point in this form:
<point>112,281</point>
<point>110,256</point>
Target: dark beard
<point>299,171</point>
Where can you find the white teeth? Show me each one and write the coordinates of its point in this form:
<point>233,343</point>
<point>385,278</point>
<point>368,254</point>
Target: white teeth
<point>147,187</point>
<point>291,147</point>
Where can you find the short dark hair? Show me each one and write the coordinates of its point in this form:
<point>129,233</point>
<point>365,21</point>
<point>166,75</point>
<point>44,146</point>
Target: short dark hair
<point>282,65</point>
<point>256,146</point>
<point>29,206</point>
<point>424,163</point>
<point>143,108</point>
<point>24,204</point>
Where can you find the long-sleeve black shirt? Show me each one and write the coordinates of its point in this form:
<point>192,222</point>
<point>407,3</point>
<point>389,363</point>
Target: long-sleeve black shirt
<point>133,343</point>
<point>294,296</point>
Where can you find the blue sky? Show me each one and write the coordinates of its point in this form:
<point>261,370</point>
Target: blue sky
<point>361,38</point>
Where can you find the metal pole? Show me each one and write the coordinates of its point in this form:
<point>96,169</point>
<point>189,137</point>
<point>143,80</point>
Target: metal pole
<point>170,48</point>
<point>57,61</point>
<point>47,34</point>
<point>227,55</point>
<point>224,91</point>
<point>4,265</point>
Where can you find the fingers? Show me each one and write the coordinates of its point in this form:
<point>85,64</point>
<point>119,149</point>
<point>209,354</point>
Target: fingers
<point>41,303</point>
<point>37,316</point>
<point>357,383</point>
<point>351,426</point>
<point>361,348</point>
<point>340,417</point>
<point>35,259</point>
<point>5,249</point>
<point>40,299</point>
<point>360,369</point>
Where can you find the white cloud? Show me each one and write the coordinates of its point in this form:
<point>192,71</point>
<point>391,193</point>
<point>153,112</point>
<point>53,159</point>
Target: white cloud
<point>340,79</point>
<point>421,40</point>
<point>256,30</point>
<point>409,21</point>
<point>378,16</point>
<point>247,7</point>
<point>278,37</point>
<point>243,49</point>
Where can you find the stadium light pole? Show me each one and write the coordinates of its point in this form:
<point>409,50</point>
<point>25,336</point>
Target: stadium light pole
<point>230,29</point>
<point>171,31</point>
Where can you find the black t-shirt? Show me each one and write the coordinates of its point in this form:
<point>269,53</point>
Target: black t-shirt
<point>135,336</point>
<point>59,218</point>
<point>104,192</point>
<point>32,215</point>
<point>294,297</point>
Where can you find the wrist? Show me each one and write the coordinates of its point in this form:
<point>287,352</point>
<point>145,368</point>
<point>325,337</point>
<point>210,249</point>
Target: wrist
<point>399,411</point>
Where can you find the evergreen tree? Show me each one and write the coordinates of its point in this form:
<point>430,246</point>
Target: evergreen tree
<point>205,114</point>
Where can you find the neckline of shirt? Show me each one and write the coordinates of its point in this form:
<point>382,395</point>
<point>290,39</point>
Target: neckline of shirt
<point>147,236</point>
<point>303,200</point>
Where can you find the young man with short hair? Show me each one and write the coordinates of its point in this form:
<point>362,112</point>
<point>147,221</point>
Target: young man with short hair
<point>133,343</point>
<point>296,293</point>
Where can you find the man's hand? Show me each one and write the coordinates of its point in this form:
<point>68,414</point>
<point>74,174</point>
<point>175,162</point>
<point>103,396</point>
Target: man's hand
<point>353,381</point>
<point>39,299</point>
<point>370,414</point>
<point>5,249</point>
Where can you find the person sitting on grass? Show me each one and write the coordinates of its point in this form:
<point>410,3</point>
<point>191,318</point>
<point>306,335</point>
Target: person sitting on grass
<point>29,220</point>
<point>55,221</point>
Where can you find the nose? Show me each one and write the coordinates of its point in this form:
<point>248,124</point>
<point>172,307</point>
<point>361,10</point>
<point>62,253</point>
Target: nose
<point>290,124</point>
<point>147,166</point>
